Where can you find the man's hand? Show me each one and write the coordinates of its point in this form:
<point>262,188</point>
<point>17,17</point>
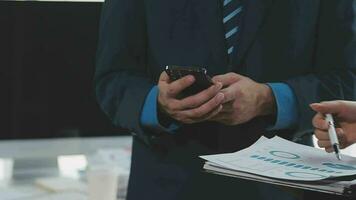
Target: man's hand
<point>345,116</point>
<point>244,99</point>
<point>192,109</point>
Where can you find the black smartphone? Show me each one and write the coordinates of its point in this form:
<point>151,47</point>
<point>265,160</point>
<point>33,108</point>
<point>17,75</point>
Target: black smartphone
<point>202,80</point>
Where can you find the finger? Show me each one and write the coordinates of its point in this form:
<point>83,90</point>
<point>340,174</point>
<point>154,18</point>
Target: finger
<point>205,108</point>
<point>321,134</point>
<point>319,122</point>
<point>179,85</point>
<point>212,113</point>
<point>227,79</point>
<point>200,98</point>
<point>231,93</point>
<point>324,143</point>
<point>331,107</point>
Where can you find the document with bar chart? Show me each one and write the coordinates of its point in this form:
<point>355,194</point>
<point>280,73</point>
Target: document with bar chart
<point>282,162</point>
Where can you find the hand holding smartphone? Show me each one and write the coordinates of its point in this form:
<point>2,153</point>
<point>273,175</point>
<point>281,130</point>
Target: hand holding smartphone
<point>202,80</point>
<point>188,100</point>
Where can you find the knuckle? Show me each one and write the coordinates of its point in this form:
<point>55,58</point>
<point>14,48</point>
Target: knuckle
<point>231,79</point>
<point>170,91</point>
<point>231,74</point>
<point>170,105</point>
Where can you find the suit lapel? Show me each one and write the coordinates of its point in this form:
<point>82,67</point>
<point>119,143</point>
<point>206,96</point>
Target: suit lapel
<point>254,14</point>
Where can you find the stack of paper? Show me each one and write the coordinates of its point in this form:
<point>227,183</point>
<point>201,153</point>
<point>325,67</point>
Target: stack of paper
<point>279,161</point>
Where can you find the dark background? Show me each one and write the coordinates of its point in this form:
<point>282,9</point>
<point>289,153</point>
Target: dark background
<point>47,58</point>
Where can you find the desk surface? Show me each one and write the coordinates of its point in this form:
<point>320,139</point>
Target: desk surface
<point>23,162</point>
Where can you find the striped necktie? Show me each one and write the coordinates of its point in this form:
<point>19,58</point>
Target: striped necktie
<point>231,14</point>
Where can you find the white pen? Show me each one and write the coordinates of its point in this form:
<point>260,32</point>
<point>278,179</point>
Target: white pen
<point>332,135</point>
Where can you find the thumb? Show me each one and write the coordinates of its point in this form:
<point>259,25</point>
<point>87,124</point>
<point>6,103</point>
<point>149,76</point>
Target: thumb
<point>330,107</point>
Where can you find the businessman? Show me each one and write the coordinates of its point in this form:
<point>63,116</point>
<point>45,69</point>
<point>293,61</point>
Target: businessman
<point>269,60</point>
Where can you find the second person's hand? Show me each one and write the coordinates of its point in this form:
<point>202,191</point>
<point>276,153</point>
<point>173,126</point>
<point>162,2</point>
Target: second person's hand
<point>345,116</point>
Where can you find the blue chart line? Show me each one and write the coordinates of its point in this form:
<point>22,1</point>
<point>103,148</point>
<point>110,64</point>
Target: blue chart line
<point>300,166</point>
<point>305,175</point>
<point>339,166</point>
<point>283,154</point>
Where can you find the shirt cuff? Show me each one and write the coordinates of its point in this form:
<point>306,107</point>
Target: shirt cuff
<point>149,115</point>
<point>287,113</point>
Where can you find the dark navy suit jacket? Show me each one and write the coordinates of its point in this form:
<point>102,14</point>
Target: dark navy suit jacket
<point>307,44</point>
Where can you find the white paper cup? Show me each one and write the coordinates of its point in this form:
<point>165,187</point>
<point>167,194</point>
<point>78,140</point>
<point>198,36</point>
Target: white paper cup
<point>102,183</point>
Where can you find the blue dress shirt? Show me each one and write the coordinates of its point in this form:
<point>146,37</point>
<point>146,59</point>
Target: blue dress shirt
<point>287,113</point>
<point>286,103</point>
<point>149,115</point>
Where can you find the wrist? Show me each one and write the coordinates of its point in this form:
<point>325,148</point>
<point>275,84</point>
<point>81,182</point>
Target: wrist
<point>163,117</point>
<point>267,102</point>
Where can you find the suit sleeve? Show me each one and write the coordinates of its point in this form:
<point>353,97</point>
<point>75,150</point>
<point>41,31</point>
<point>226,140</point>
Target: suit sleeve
<point>121,78</point>
<point>333,75</point>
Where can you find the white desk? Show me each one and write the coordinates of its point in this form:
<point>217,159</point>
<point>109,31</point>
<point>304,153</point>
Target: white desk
<point>24,161</point>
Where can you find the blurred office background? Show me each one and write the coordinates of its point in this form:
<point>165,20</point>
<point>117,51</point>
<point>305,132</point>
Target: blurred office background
<point>47,58</point>
<point>50,123</point>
